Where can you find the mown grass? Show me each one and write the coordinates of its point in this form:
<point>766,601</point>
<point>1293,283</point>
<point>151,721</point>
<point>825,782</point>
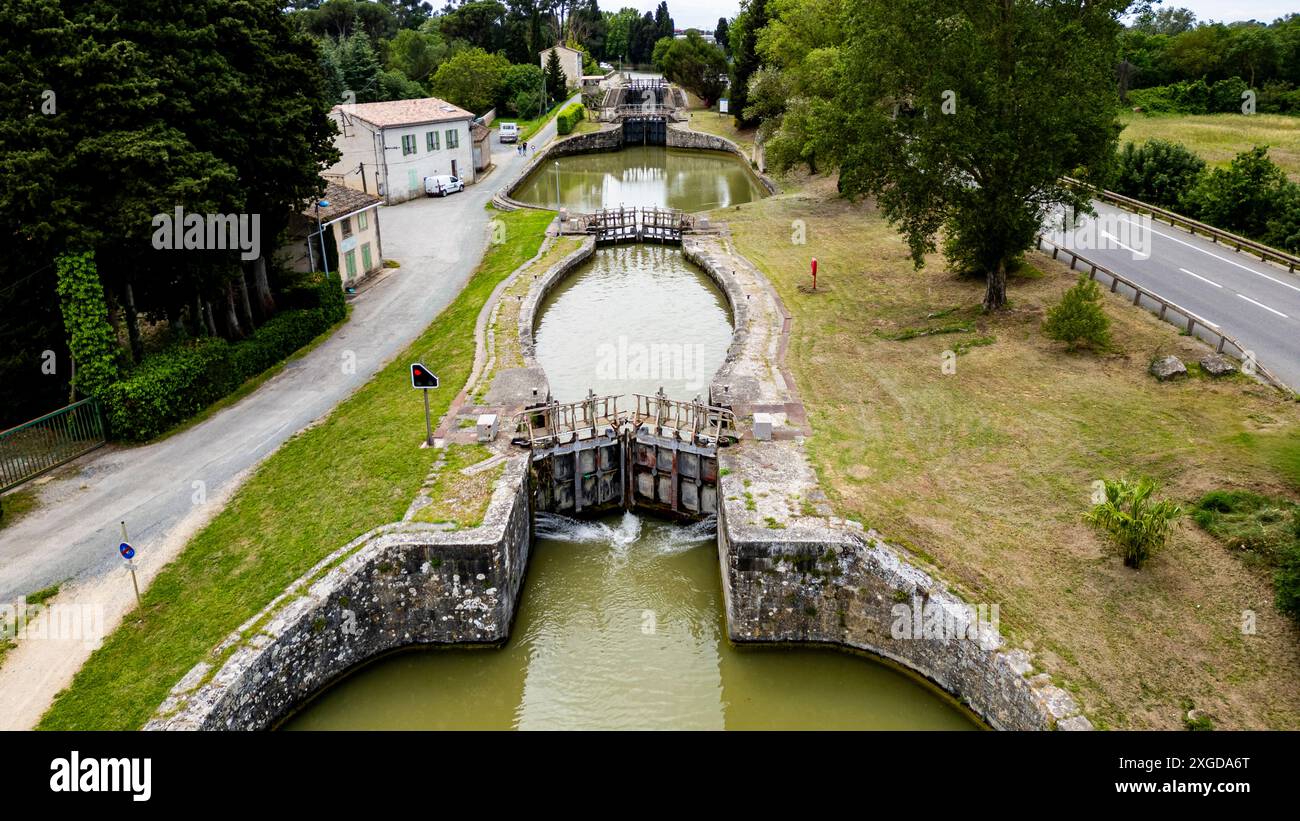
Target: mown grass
<point>8,629</point>
<point>359,468</point>
<point>987,472</point>
<point>17,504</point>
<point>458,500</point>
<point>1217,138</point>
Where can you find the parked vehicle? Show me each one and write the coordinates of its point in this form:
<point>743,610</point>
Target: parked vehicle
<point>442,185</point>
<point>509,132</point>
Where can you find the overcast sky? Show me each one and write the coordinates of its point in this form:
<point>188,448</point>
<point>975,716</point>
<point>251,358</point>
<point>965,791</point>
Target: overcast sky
<point>704,14</point>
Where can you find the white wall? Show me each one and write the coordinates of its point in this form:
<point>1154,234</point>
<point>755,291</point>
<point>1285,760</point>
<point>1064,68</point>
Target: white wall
<point>359,144</point>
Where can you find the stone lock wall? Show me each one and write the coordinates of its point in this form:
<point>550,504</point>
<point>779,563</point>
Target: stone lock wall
<point>404,587</point>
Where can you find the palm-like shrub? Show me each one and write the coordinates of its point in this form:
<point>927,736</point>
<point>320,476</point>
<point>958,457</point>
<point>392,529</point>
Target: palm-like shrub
<point>1138,524</point>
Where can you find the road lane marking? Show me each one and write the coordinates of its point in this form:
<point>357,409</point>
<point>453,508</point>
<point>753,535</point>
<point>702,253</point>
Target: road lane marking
<point>1115,240</point>
<point>1201,278</point>
<point>1262,305</point>
<point>1216,256</point>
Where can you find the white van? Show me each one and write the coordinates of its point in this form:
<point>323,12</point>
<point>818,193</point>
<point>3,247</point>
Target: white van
<point>442,185</point>
<point>509,132</point>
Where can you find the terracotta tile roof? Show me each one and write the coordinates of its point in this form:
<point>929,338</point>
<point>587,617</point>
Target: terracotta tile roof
<point>478,131</point>
<point>342,201</point>
<point>406,112</point>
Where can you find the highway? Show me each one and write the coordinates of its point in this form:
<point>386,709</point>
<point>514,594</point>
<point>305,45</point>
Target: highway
<point>1256,302</point>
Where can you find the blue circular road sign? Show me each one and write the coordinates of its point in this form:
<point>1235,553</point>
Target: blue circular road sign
<point>126,550</point>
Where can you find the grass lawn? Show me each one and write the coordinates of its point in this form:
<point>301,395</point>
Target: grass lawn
<point>1217,138</point>
<point>355,470</point>
<point>986,473</point>
<point>723,125</point>
<point>527,128</point>
<point>17,504</point>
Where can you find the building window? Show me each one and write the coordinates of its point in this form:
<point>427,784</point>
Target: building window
<point>365,257</point>
<point>453,138</point>
<point>351,259</point>
<point>432,140</point>
<point>363,221</point>
<point>347,227</point>
<point>408,144</point>
<point>412,183</point>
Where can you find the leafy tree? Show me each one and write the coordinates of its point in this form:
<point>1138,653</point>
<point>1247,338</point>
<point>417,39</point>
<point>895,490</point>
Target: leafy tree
<point>693,63</point>
<point>557,83</point>
<point>471,79</point>
<point>1078,319</point>
<point>85,317</point>
<point>1165,21</point>
<point>409,14</point>
<point>479,23</point>
<point>1158,171</point>
<point>522,89</point>
<point>587,26</point>
<point>416,54</point>
<point>359,67</point>
<point>720,35</point>
<point>1138,525</point>
<point>1252,196</point>
<point>982,134</point>
<point>744,31</point>
<point>618,33</point>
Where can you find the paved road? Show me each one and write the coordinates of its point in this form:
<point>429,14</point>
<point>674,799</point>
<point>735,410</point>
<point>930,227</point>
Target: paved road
<point>1256,302</point>
<point>74,532</point>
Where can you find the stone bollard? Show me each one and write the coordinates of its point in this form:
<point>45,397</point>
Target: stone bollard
<point>763,424</point>
<point>487,427</point>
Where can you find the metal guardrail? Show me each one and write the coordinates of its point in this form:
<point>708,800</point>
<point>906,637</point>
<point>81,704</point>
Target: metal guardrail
<point>1166,306</point>
<point>560,423</point>
<point>1217,235</point>
<point>54,439</point>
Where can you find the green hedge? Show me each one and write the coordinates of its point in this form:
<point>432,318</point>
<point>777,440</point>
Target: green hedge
<point>173,385</point>
<point>569,117</point>
<point>1222,97</point>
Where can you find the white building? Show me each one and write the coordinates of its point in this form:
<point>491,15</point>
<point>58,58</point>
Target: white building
<point>570,61</point>
<point>389,148</point>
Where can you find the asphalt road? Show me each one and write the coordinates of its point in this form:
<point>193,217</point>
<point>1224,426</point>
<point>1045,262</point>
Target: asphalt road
<point>1256,302</point>
<point>73,534</point>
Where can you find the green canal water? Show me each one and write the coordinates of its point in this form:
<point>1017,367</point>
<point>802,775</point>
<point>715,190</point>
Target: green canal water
<point>621,623</point>
<point>642,177</point>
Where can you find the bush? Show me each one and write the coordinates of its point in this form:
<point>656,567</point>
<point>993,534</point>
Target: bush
<point>1251,197</point>
<point>167,388</point>
<point>1267,528</point>
<point>1158,172</point>
<point>172,385</point>
<point>1191,97</point>
<point>1078,319</point>
<point>569,117</point>
<point>1138,525</point>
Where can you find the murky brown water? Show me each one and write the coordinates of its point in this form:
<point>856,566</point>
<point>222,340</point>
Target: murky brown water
<point>642,177</point>
<point>621,621</point>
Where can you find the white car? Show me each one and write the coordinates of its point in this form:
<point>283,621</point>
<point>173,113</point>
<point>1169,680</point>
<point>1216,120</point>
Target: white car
<point>509,132</point>
<point>442,185</point>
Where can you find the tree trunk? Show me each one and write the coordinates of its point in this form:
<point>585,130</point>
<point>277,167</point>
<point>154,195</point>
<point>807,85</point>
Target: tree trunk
<point>995,298</point>
<point>245,307</point>
<point>132,323</point>
<point>207,317</point>
<point>230,320</point>
<point>262,290</point>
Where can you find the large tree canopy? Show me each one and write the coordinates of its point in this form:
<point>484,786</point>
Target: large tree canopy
<point>961,118</point>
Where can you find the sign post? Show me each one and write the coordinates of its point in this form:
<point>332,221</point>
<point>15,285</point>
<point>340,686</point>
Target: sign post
<point>128,553</point>
<point>423,380</point>
<point>814,273</point>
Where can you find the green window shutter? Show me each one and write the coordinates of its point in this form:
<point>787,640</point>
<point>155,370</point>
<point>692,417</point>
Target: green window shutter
<point>352,263</point>
<point>365,257</point>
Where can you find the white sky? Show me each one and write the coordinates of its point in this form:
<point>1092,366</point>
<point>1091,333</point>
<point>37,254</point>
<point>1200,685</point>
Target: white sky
<point>704,14</point>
